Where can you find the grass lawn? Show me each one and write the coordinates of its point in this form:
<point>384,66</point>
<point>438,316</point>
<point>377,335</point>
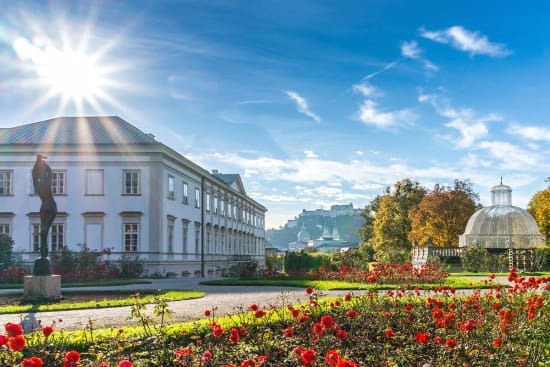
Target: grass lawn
<point>99,283</point>
<point>327,285</point>
<point>123,298</point>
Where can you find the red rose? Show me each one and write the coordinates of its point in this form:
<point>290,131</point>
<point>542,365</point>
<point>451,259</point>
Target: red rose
<point>254,307</point>
<point>71,359</point>
<point>351,313</point>
<point>124,363</point>
<point>346,363</point>
<point>259,314</point>
<point>32,362</point>
<point>16,343</point>
<point>308,357</point>
<point>450,344</point>
<point>341,334</point>
<point>388,333</point>
<point>422,338</point>
<point>332,357</point>
<point>309,290</point>
<point>497,342</point>
<point>13,329</point>
<point>289,332</point>
<point>207,313</point>
<point>327,321</point>
<point>182,352</point>
<point>47,331</point>
<point>3,339</point>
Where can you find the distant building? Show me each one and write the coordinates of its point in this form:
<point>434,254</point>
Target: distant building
<point>119,190</point>
<point>335,211</point>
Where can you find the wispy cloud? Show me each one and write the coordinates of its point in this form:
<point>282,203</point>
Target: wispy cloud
<point>536,133</point>
<point>471,127</point>
<point>386,67</point>
<point>310,154</point>
<point>371,115</point>
<point>302,105</point>
<point>366,89</point>
<point>468,41</point>
<point>512,157</point>
<point>412,51</point>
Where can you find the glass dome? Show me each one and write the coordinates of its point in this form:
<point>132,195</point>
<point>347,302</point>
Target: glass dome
<point>502,225</point>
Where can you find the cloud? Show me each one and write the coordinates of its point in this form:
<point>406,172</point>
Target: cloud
<point>468,41</point>
<point>370,115</point>
<point>412,51</point>
<point>537,133</point>
<point>386,67</point>
<point>511,156</point>
<point>302,105</point>
<point>359,152</point>
<point>366,89</point>
<point>471,127</point>
<point>310,154</point>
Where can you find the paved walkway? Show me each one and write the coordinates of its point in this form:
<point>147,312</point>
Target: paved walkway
<point>226,300</point>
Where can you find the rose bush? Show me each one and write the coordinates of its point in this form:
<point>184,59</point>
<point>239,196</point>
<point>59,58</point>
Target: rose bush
<point>498,327</point>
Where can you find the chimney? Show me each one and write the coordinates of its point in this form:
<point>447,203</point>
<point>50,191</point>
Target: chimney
<point>215,172</point>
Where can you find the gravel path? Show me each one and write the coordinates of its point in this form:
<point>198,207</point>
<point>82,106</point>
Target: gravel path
<point>227,300</point>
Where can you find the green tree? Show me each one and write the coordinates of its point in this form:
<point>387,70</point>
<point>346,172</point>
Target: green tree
<point>6,252</point>
<point>539,207</point>
<point>391,224</point>
<point>442,214</point>
<point>366,231</point>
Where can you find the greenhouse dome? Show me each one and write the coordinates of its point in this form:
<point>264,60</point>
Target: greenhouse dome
<point>502,225</point>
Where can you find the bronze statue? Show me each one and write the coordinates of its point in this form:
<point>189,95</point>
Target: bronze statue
<point>42,181</point>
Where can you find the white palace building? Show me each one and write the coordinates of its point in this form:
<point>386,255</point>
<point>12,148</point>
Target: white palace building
<point>121,191</point>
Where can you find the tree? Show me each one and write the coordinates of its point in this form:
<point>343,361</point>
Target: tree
<point>391,222</point>
<point>442,214</point>
<point>539,207</point>
<point>366,231</point>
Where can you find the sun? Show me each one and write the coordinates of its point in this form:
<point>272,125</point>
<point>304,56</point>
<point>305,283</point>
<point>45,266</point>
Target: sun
<point>73,75</point>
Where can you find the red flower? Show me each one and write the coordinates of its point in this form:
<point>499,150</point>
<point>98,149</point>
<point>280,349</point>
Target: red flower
<point>289,332</point>
<point>16,343</point>
<point>309,290</point>
<point>207,313</point>
<point>327,321</point>
<point>308,357</point>
<point>13,329</point>
<point>422,338</point>
<point>351,313</point>
<point>249,363</point>
<point>317,329</point>
<point>234,336</point>
<point>450,344</point>
<point>332,357</point>
<point>47,331</point>
<point>497,342</point>
<point>347,297</point>
<point>254,307</point>
<point>182,352</point>
<point>341,334</point>
<point>467,325</point>
<point>388,333</point>
<point>124,363</point>
<point>346,363</point>
<point>3,339</point>
<point>438,340</point>
<point>32,362</point>
<point>259,314</point>
<point>303,319</point>
<point>103,364</point>
<point>71,359</point>
<point>217,331</point>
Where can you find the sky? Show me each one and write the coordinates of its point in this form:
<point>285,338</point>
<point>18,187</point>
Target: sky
<point>313,103</point>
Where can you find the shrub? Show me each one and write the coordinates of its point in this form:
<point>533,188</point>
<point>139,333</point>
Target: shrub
<point>130,266</point>
<point>473,258</point>
<point>246,270</point>
<point>299,263</point>
<point>6,252</point>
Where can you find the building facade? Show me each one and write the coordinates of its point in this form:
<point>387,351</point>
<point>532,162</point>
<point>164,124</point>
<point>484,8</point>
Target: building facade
<point>120,191</point>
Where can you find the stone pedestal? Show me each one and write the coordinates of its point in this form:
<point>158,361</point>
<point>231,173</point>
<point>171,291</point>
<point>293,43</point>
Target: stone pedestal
<point>45,287</point>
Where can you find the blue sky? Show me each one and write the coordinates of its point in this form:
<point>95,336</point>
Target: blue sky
<point>313,102</point>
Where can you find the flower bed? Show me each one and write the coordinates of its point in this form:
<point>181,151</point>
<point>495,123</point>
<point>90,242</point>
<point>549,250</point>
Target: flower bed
<point>500,327</point>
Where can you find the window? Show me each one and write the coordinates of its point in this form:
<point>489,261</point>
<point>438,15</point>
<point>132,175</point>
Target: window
<point>94,182</point>
<point>171,193</point>
<point>197,237</point>
<point>185,233</point>
<point>185,195</point>
<point>131,182</point>
<point>5,183</point>
<point>35,235</point>
<point>131,237</point>
<point>197,197</point>
<point>215,205</point>
<point>58,182</point>
<point>222,207</point>
<point>208,203</point>
<point>171,221</point>
<point>57,237</point>
<point>5,229</point>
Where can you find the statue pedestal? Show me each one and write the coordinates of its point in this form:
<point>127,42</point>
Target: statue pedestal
<point>43,287</point>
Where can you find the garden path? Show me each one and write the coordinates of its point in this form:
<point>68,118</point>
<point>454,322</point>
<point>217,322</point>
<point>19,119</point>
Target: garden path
<point>227,300</point>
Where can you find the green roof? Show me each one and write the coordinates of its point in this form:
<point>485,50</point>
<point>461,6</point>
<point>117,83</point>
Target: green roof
<point>76,130</point>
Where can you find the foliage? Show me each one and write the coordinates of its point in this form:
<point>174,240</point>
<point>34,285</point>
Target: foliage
<point>83,265</point>
<point>130,266</point>
<point>12,276</point>
<point>539,207</point>
<point>398,328</point>
<point>244,270</point>
<point>6,252</point>
<point>477,259</point>
<point>366,231</point>
<point>299,263</point>
<point>442,214</point>
<point>391,224</point>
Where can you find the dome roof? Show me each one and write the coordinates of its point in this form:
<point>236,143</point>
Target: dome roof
<point>502,225</point>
